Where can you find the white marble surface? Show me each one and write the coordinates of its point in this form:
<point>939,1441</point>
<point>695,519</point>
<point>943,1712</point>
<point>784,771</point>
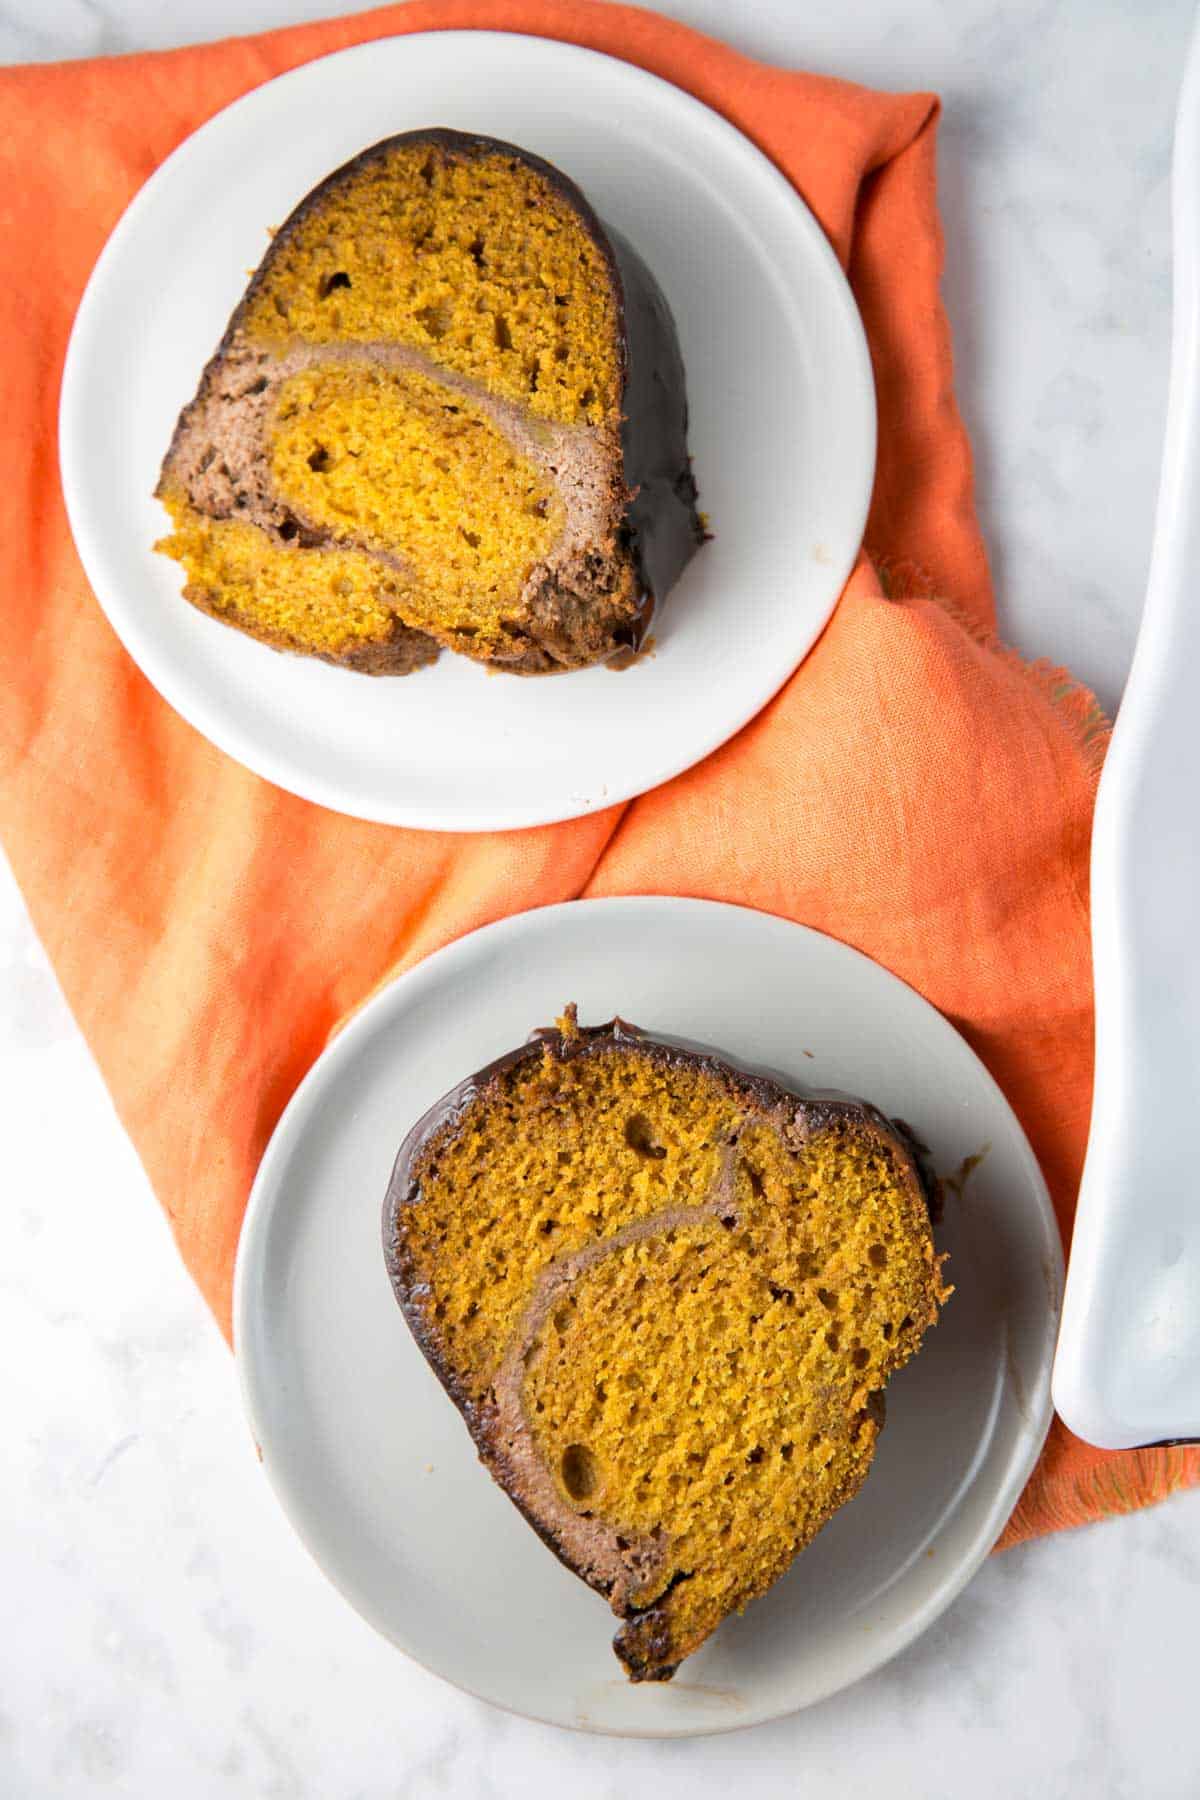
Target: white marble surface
<point>163,1633</point>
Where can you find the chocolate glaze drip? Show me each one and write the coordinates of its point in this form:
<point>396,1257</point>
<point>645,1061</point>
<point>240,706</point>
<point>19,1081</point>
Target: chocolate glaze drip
<point>662,517</point>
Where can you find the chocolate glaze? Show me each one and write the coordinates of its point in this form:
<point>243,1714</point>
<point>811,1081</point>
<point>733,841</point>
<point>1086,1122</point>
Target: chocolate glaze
<point>662,517</point>
<point>643,1644</point>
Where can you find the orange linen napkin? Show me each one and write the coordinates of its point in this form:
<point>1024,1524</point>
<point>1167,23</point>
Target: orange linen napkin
<point>914,790</point>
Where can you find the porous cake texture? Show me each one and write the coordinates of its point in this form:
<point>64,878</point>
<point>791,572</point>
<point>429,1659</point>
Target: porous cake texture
<point>667,1295</point>
<point>448,412</point>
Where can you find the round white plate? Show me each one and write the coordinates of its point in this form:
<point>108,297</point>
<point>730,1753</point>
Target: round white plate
<point>373,1464</point>
<point>782,434</point>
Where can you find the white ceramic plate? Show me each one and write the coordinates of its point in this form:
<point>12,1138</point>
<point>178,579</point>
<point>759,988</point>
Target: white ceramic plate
<point>372,1462</point>
<point>782,434</point>
<point>1128,1369</point>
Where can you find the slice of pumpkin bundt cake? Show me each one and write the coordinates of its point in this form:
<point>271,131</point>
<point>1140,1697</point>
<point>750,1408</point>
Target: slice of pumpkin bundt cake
<point>448,411</point>
<point>667,1296</point>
